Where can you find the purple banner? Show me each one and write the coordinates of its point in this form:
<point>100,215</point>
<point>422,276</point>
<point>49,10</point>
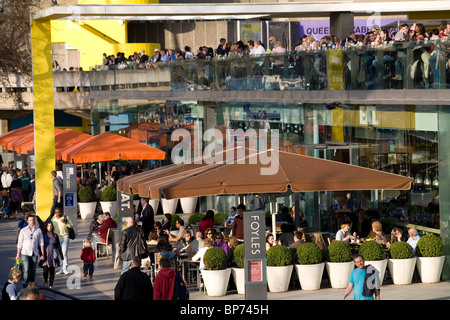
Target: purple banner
<point>321,28</point>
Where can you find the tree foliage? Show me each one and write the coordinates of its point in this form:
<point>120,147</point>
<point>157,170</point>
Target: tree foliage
<point>15,44</point>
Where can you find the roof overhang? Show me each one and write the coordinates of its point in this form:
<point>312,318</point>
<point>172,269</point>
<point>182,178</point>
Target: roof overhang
<point>202,11</point>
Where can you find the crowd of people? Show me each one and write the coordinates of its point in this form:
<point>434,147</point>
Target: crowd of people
<point>16,186</point>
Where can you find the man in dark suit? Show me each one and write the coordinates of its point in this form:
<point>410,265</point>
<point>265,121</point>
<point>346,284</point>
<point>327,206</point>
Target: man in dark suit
<point>134,284</point>
<point>146,217</point>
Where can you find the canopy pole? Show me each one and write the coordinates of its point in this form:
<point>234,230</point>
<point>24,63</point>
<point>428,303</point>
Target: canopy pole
<point>274,224</point>
<point>109,174</point>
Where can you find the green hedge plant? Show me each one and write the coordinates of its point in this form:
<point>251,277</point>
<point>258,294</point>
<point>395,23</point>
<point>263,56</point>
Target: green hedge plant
<point>238,255</point>
<point>429,246</point>
<point>278,256</point>
<point>195,218</point>
<point>86,194</point>
<point>109,193</point>
<point>339,251</point>
<point>215,258</point>
<point>401,250</point>
<point>371,251</point>
<point>219,218</point>
<point>309,253</point>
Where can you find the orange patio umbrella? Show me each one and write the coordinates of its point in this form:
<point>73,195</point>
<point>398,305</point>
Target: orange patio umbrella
<point>63,138</point>
<point>14,134</point>
<point>108,147</point>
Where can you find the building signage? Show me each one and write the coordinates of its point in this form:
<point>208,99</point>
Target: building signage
<point>255,255</point>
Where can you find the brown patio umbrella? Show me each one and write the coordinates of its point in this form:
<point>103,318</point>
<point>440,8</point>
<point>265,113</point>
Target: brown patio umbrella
<point>298,172</point>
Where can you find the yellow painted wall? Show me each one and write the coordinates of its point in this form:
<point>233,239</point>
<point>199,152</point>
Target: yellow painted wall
<point>44,119</point>
<point>429,15</point>
<point>93,38</point>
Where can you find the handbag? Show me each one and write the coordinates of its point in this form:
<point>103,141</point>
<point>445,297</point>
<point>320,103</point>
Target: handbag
<point>70,231</point>
<point>142,249</point>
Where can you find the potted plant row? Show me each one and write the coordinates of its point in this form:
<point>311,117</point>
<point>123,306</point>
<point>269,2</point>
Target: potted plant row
<point>373,254</point>
<point>238,271</point>
<point>279,268</point>
<point>340,264</point>
<point>108,200</point>
<point>401,263</point>
<point>310,266</point>
<point>430,258</point>
<point>216,274</point>
<point>87,202</point>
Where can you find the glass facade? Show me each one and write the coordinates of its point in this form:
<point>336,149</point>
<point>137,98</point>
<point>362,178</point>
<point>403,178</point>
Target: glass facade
<point>405,139</point>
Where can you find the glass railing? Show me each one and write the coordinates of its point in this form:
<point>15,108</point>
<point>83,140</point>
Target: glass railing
<point>410,65</point>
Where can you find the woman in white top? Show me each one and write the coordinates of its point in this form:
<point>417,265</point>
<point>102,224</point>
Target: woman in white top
<point>201,252</point>
<point>344,233</point>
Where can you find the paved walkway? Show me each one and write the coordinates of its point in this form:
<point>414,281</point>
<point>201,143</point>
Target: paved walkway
<point>101,287</point>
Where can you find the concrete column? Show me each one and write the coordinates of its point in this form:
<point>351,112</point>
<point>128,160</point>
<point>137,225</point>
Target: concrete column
<point>3,126</point>
<point>341,23</point>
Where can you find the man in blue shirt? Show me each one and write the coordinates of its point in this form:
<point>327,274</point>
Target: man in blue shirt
<point>413,238</point>
<point>361,280</point>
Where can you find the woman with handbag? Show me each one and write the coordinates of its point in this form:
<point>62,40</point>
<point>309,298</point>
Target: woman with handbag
<point>61,224</point>
<point>52,252</point>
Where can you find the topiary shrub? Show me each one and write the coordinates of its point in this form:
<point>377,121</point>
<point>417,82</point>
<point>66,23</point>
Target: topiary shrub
<point>238,255</point>
<point>339,251</point>
<point>86,194</point>
<point>109,193</point>
<point>215,258</point>
<point>429,246</point>
<point>401,250</point>
<point>279,256</point>
<point>219,218</point>
<point>195,218</point>
<point>309,253</point>
<point>371,251</point>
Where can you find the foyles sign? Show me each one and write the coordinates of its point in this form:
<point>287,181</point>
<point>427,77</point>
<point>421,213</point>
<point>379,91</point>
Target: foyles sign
<point>255,255</point>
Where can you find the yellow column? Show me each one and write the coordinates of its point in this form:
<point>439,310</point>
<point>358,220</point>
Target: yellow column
<point>44,119</point>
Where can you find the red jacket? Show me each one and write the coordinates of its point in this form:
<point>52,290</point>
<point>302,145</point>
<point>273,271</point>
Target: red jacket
<point>103,229</point>
<point>164,284</point>
<point>205,225</point>
<point>87,254</point>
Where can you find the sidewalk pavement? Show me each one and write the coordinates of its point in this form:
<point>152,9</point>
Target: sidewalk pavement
<point>101,287</point>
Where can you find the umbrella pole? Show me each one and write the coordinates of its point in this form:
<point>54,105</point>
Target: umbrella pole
<point>274,223</point>
<point>100,172</point>
<point>109,174</point>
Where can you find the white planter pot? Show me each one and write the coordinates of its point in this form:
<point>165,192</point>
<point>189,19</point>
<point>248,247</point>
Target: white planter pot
<point>87,210</point>
<point>216,281</point>
<point>402,270</point>
<point>278,278</point>
<point>239,279</point>
<point>381,266</point>
<point>430,268</point>
<point>339,273</point>
<point>169,206</point>
<point>188,204</point>
<point>109,206</point>
<point>154,203</point>
<point>310,275</point>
